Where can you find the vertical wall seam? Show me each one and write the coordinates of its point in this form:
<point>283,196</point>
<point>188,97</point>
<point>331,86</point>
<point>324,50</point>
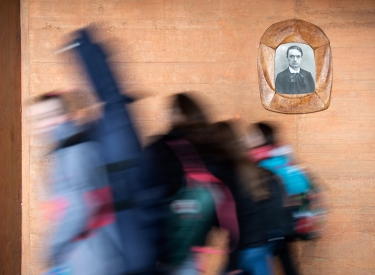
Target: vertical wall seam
<point>25,138</point>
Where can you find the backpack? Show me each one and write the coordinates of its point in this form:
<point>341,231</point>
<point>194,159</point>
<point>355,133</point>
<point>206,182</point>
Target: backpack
<point>304,209</point>
<point>294,179</point>
<point>190,212</point>
<point>309,216</point>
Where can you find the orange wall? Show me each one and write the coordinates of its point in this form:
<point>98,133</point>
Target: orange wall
<point>211,46</point>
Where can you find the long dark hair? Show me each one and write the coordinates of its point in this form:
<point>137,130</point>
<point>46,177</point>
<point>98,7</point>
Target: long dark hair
<point>190,108</point>
<point>252,178</point>
<point>195,125</point>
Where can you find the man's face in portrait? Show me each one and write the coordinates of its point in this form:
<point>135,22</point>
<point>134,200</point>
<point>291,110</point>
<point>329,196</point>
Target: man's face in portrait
<point>294,58</point>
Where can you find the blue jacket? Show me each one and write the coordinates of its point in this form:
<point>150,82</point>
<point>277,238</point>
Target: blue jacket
<point>136,201</point>
<point>85,239</point>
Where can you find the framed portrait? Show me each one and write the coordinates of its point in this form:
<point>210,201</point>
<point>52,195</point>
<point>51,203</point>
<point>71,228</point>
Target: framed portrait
<point>295,68</point>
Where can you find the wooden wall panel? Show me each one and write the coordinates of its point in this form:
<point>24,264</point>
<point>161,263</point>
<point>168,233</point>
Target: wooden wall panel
<point>10,138</point>
<point>211,46</point>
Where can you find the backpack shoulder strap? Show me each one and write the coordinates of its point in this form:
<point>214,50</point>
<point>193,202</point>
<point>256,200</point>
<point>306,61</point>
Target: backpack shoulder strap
<point>188,156</point>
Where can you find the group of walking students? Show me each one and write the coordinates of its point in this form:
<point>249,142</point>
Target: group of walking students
<point>121,209</point>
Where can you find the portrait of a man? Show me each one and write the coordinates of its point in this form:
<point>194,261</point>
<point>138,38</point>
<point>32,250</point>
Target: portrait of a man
<point>294,79</point>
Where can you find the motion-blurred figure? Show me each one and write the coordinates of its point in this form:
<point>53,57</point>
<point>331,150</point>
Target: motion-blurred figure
<point>264,150</point>
<point>258,202</point>
<point>304,207</point>
<point>195,199</point>
<point>136,205</point>
<point>81,199</point>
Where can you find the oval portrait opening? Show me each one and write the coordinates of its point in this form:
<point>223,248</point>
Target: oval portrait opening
<point>294,69</point>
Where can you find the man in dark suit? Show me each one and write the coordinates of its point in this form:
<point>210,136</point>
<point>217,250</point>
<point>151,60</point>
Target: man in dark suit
<point>294,80</point>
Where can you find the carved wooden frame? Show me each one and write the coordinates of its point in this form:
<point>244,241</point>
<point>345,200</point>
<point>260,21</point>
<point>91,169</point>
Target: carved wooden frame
<point>298,31</point>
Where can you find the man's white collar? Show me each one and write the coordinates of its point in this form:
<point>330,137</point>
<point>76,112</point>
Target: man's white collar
<point>293,71</point>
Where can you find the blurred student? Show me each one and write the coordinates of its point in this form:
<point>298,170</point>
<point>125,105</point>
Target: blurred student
<point>264,150</point>
<point>178,162</point>
<point>188,122</point>
<point>136,202</point>
<point>81,200</point>
<point>257,201</point>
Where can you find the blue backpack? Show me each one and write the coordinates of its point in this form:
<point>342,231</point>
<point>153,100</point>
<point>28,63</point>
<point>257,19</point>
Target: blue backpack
<point>294,179</point>
<point>303,221</point>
